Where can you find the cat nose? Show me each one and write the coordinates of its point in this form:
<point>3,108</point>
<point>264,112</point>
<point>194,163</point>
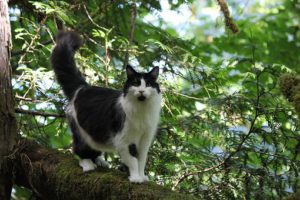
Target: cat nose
<point>141,91</point>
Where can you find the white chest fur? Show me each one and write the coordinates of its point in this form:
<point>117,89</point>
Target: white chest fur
<point>141,118</point>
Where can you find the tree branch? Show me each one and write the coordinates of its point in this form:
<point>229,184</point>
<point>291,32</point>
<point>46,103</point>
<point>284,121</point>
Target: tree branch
<point>65,179</point>
<point>228,19</point>
<point>20,98</point>
<point>44,114</point>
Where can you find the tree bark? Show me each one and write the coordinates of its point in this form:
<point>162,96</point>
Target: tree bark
<point>7,115</point>
<point>52,174</point>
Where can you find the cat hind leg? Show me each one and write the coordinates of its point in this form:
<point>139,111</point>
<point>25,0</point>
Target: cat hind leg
<point>87,165</point>
<point>101,162</point>
<point>87,155</point>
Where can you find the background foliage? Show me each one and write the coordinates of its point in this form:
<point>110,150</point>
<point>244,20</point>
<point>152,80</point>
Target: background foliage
<point>226,131</point>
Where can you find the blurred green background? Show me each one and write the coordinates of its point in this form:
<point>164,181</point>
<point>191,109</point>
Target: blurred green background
<point>226,131</point>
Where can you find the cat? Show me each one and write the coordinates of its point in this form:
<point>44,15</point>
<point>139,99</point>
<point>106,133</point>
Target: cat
<point>108,120</point>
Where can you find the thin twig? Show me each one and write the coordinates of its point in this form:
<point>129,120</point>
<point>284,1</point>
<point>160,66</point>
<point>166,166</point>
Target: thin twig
<point>19,52</point>
<point>131,31</point>
<point>186,96</point>
<point>107,56</point>
<point>20,98</point>
<point>36,37</point>
<point>90,18</point>
<point>197,172</point>
<point>44,114</point>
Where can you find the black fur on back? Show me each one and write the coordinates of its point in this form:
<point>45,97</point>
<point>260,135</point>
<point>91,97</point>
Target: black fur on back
<point>99,113</point>
<point>62,59</point>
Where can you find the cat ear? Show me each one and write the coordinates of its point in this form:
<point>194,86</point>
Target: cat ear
<point>154,73</point>
<point>130,71</point>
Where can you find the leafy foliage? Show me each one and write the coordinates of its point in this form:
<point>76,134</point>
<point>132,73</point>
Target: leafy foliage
<point>226,131</point>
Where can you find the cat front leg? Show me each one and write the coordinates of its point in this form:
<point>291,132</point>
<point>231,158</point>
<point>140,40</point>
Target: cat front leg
<point>143,150</point>
<point>142,165</point>
<point>128,154</point>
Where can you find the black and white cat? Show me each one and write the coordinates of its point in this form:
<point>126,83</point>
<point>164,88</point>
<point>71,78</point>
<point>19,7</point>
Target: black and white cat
<point>107,120</point>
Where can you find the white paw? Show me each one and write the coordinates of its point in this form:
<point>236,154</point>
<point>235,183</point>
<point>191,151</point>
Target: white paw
<point>87,165</point>
<point>102,163</point>
<point>145,178</point>
<point>136,179</point>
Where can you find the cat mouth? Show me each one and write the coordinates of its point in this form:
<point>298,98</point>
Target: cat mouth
<point>141,98</point>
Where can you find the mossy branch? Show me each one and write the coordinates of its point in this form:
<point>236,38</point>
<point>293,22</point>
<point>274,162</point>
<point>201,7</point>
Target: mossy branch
<point>52,174</point>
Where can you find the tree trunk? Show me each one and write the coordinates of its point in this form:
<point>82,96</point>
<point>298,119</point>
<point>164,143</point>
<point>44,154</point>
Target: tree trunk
<point>51,174</point>
<point>7,115</point>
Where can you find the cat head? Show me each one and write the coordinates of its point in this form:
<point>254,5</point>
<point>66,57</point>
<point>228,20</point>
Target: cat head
<point>141,86</point>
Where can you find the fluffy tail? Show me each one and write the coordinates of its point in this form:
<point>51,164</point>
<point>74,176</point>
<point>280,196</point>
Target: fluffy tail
<point>63,63</point>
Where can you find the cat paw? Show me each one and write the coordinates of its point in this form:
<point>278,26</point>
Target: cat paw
<point>87,165</point>
<point>136,179</point>
<point>145,178</point>
<point>102,163</point>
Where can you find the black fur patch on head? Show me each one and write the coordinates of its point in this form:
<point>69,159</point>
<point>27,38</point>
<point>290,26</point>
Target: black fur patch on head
<point>134,79</point>
<point>133,150</point>
<point>150,80</point>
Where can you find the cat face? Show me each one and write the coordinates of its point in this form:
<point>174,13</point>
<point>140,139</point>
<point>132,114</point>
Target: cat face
<point>141,86</point>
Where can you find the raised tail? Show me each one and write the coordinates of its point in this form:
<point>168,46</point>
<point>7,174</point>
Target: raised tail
<point>63,63</point>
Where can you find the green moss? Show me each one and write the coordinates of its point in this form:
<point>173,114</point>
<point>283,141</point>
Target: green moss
<point>99,183</point>
<point>104,183</point>
<point>57,175</point>
<point>293,196</point>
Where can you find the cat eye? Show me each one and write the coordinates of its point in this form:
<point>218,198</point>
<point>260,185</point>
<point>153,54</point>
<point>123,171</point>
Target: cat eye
<point>136,82</point>
<point>148,84</point>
